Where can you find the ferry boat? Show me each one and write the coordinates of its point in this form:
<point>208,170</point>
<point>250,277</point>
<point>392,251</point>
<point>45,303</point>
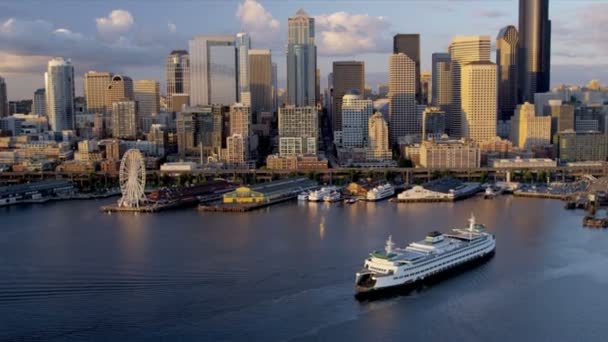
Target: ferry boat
<point>303,196</point>
<point>333,196</point>
<point>380,192</point>
<point>318,195</point>
<point>437,254</point>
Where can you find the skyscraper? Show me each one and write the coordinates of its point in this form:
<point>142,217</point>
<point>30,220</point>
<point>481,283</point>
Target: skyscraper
<point>403,120</point>
<point>378,141</point>
<point>275,87</point>
<point>59,84</point>
<point>177,74</point>
<point>124,119</point>
<point>119,89</point>
<point>348,76</point>
<point>534,48</point>
<point>95,90</point>
<point>261,80</point>
<point>3,98</point>
<point>441,80</point>
<point>147,95</point>
<point>409,45</point>
<point>529,130</point>
<point>301,60</point>
<point>506,60</point>
<point>433,123</point>
<point>40,102</point>
<point>479,101</point>
<point>355,115</point>
<point>426,88</point>
<point>463,50</point>
<point>213,70</point>
<point>298,130</point>
<point>243,44</point>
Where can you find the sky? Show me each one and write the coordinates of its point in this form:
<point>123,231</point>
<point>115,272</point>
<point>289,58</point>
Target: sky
<point>134,37</point>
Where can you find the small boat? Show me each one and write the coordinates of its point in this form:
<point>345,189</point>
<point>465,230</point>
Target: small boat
<point>489,193</point>
<point>350,201</point>
<point>303,196</point>
<point>333,196</point>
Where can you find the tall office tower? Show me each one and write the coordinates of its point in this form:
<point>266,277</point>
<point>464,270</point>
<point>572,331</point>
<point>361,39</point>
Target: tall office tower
<point>382,90</point>
<point>124,119</point>
<point>433,123</point>
<point>95,89</point>
<point>442,81</point>
<point>119,89</point>
<point>479,101</point>
<point>221,127</point>
<point>506,60</point>
<point>242,44</point>
<point>355,115</point>
<point>59,85</point>
<point>402,113</point>
<point>240,120</point>
<point>3,98</point>
<point>147,95</point>
<point>378,141</point>
<point>159,137</point>
<point>317,86</point>
<point>177,75</point>
<point>426,88</point>
<point>213,70</point>
<point>348,76</point>
<point>40,102</point>
<point>562,116</point>
<point>261,81</point>
<point>527,129</point>
<point>534,48</point>
<point>275,87</point>
<point>463,50</point>
<point>409,45</point>
<point>301,60</point>
<point>298,130</point>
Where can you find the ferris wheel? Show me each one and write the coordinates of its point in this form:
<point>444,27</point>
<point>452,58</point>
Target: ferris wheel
<point>132,179</point>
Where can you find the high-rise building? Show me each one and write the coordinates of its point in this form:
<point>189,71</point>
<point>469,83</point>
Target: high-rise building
<point>275,87</point>
<point>39,102</point>
<point>529,130</point>
<point>261,80</point>
<point>240,120</point>
<point>581,146</point>
<point>243,44</point>
<point>426,88</point>
<point>403,119</point>
<point>124,119</point>
<point>383,90</point>
<point>301,60</point>
<point>449,154</point>
<point>3,98</point>
<point>562,116</point>
<point>506,60</point>
<point>119,89</point>
<point>95,90</point>
<point>159,137</point>
<point>409,45</point>
<point>213,70</point>
<point>355,115</point>
<point>433,123</point>
<point>442,81</point>
<point>147,95</point>
<point>59,85</point>
<point>298,130</point>
<point>378,138</point>
<point>237,149</point>
<point>463,50</point>
<point>195,130</point>
<point>177,74</point>
<point>479,101</point>
<point>347,76</point>
<point>534,48</point>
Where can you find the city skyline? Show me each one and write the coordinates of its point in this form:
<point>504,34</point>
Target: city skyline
<point>140,41</point>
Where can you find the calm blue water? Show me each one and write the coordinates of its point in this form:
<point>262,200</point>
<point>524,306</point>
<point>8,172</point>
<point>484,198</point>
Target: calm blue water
<point>71,273</point>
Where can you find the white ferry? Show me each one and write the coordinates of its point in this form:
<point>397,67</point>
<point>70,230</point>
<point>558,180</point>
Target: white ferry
<point>318,195</point>
<point>380,192</point>
<point>333,196</point>
<point>420,260</point>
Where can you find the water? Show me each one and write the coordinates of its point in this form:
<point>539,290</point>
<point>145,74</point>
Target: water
<point>286,273</point>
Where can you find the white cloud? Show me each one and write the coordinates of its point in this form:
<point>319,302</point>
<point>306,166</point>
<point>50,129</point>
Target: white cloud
<point>258,22</point>
<point>343,33</point>
<point>172,28</point>
<point>115,25</point>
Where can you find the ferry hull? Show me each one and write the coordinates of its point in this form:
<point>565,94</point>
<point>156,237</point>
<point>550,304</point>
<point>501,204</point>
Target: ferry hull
<point>372,293</point>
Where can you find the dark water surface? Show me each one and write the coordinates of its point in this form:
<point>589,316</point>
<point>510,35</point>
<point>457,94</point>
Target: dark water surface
<point>69,272</point>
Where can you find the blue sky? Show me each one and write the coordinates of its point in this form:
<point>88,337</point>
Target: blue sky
<point>133,37</point>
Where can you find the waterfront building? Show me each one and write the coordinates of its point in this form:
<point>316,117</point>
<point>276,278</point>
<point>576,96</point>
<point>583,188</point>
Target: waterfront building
<point>378,138</point>
<point>3,98</point>
<point>463,50</point>
<point>528,130</point>
<point>301,60</point>
<point>355,115</point>
<point>298,130</point>
<point>479,100</point>
<point>506,60</point>
<point>449,154</point>
<point>59,85</point>
<point>293,162</point>
<point>580,146</point>
<point>243,195</point>
<point>124,120</point>
<point>147,95</point>
<point>243,44</point>
<point>39,102</point>
<point>534,48</point>
<point>409,45</point>
<point>261,85</point>
<point>95,90</point>
<point>347,77</point>
<point>403,119</point>
<point>213,70</point>
<point>523,163</point>
<point>177,75</point>
<point>433,123</point>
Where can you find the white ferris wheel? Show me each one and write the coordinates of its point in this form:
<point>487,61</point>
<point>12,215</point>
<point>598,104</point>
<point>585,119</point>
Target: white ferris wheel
<point>132,179</point>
